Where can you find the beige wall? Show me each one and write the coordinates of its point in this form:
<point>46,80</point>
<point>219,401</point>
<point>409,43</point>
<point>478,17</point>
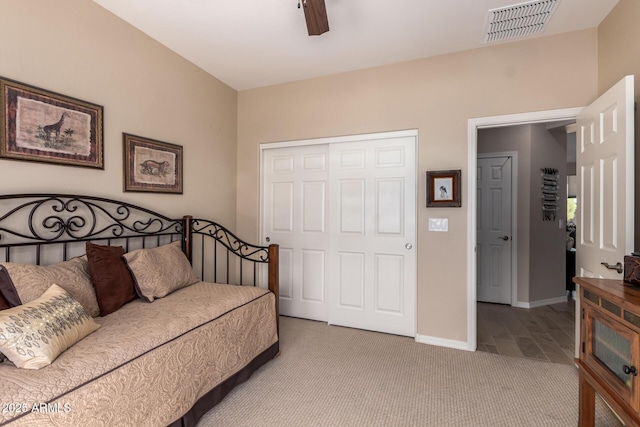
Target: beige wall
<point>77,48</point>
<point>437,96</point>
<point>618,56</point>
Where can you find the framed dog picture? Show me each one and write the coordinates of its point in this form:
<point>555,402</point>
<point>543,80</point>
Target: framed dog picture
<point>443,189</point>
<point>151,166</point>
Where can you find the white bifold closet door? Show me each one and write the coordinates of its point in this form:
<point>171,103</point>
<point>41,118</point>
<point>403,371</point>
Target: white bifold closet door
<point>344,216</point>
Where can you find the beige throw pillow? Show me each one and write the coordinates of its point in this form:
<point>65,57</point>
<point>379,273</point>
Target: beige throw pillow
<point>30,281</point>
<point>32,335</point>
<point>159,271</point>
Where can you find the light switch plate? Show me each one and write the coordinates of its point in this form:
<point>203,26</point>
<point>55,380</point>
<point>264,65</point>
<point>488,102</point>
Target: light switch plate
<point>438,224</point>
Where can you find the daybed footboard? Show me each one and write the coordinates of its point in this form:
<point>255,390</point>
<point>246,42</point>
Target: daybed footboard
<point>206,237</point>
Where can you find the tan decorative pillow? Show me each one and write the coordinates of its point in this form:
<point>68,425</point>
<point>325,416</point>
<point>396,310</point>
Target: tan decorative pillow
<point>32,335</point>
<point>159,271</point>
<point>30,281</point>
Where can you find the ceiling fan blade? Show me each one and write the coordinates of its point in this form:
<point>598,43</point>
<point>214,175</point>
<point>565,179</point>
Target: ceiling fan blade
<point>315,13</point>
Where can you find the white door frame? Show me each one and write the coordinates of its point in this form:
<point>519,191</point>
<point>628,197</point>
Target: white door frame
<point>339,139</point>
<point>514,217</point>
<point>472,137</point>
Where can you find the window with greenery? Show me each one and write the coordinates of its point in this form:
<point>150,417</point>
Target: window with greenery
<point>571,209</point>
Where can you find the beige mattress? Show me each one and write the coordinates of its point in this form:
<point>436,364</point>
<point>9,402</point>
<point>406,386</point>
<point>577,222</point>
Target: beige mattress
<point>148,363</point>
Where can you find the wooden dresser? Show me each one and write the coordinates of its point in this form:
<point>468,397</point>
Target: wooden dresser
<point>609,359</point>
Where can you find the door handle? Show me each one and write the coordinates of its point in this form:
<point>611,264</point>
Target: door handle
<point>408,246</point>
<point>617,267</point>
<point>267,239</point>
<point>505,238</point>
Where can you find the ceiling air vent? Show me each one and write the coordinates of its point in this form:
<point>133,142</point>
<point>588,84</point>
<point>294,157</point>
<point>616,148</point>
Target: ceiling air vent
<point>519,20</point>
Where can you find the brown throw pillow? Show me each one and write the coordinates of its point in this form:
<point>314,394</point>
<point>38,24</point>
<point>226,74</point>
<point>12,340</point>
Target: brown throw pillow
<point>8,291</point>
<point>110,276</point>
<point>4,304</point>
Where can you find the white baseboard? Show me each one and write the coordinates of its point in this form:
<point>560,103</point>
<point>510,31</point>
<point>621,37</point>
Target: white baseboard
<point>540,303</point>
<point>442,342</point>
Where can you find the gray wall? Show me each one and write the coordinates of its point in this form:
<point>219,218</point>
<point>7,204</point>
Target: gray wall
<point>548,238</point>
<point>518,139</point>
<point>541,247</point>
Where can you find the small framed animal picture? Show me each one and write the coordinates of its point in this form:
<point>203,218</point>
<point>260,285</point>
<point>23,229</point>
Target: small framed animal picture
<point>42,126</point>
<point>443,189</point>
<point>151,166</point>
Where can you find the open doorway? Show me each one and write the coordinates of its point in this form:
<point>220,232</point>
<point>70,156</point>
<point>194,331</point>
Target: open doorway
<point>521,241</point>
<point>596,247</point>
<point>474,126</point>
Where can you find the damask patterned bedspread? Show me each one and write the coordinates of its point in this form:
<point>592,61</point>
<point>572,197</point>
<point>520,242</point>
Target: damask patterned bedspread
<point>148,363</point>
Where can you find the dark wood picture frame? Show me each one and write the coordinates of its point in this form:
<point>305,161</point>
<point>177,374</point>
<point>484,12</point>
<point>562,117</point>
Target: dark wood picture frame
<point>151,166</point>
<point>443,189</point>
<point>43,126</point>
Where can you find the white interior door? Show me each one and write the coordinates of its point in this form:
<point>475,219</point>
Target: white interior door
<point>604,161</point>
<point>295,216</point>
<point>494,236</point>
<point>373,256</point>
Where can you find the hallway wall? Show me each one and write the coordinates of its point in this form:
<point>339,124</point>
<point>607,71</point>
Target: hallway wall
<point>541,244</point>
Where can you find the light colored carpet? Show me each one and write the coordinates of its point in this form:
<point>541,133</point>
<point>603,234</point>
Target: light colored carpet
<point>333,376</point>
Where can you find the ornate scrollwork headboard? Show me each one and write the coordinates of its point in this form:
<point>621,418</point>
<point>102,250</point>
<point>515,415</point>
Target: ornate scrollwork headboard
<point>38,220</point>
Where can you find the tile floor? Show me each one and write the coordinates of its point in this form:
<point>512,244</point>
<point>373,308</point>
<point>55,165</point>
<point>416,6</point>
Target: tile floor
<point>544,333</point>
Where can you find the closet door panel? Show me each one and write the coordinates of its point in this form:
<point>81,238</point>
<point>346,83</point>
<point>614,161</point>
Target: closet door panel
<point>295,217</point>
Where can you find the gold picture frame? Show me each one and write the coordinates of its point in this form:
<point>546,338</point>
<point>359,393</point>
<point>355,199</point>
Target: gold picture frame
<point>151,166</point>
<point>43,126</point>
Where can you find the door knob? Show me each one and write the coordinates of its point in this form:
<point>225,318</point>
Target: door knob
<point>505,238</point>
<point>267,239</point>
<point>617,267</point>
<point>408,246</point>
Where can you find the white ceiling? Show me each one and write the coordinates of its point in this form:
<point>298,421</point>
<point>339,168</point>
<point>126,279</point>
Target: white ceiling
<point>249,44</point>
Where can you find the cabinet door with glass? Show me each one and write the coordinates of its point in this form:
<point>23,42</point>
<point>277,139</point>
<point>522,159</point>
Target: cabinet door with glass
<point>611,349</point>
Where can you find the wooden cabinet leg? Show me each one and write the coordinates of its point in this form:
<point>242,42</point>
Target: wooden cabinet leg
<point>587,417</point>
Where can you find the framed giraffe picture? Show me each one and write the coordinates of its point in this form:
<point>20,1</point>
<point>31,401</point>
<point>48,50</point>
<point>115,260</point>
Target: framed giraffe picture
<point>151,166</point>
<point>43,126</point>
